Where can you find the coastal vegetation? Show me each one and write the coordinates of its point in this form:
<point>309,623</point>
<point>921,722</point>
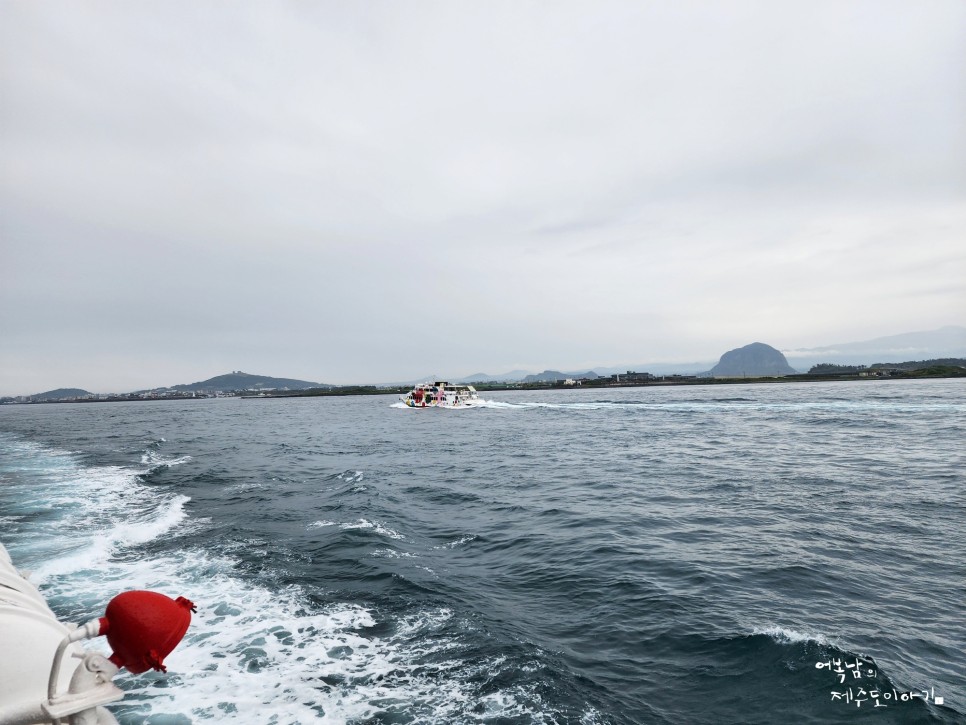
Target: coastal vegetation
<point>947,367</point>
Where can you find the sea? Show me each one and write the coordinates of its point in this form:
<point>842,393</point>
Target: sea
<point>746,553</point>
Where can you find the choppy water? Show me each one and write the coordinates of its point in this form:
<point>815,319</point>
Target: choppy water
<point>642,555</point>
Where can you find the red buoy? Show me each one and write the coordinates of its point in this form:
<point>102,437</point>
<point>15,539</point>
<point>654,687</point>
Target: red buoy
<point>143,627</point>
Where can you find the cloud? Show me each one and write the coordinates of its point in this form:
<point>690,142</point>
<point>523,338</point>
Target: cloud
<point>294,188</point>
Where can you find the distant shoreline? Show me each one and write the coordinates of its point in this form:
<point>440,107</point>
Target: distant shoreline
<point>348,390</point>
<point>488,387</point>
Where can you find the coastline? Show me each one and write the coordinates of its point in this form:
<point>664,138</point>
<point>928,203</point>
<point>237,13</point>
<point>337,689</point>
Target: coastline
<point>600,384</point>
<point>488,387</point>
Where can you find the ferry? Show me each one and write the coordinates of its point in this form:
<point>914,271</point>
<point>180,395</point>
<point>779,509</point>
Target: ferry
<point>441,395</point>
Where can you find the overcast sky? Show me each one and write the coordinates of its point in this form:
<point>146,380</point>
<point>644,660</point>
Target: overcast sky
<point>377,191</point>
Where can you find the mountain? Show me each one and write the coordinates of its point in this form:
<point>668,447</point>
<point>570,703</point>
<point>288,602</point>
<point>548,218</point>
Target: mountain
<point>946,342</point>
<point>246,381</point>
<point>754,361</point>
<point>525,376</point>
<point>550,376</point>
<point>514,376</point>
<point>61,394</point>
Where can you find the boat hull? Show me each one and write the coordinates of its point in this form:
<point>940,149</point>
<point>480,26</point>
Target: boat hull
<point>441,395</point>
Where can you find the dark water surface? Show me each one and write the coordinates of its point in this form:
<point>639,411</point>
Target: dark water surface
<point>641,555</point>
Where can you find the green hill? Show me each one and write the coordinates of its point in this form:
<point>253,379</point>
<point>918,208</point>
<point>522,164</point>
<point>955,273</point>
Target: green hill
<point>246,381</point>
<point>61,394</point>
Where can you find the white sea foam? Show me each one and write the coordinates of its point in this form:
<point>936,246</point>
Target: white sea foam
<point>391,554</point>
<point>98,510</point>
<point>374,525</point>
<point>156,461</point>
<point>103,532</point>
<point>360,524</point>
<point>459,542</point>
<point>251,649</point>
<point>498,404</point>
<point>322,524</point>
<point>784,635</point>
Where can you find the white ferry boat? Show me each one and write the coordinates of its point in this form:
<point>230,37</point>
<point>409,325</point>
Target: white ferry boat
<point>441,395</point>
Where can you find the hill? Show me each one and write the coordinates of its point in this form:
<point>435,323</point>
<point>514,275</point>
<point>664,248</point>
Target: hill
<point>61,394</point>
<point>954,364</point>
<point>523,376</point>
<point>549,376</point>
<point>754,361</point>
<point>513,375</point>
<point>246,381</point>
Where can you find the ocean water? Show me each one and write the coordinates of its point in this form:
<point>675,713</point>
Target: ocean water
<point>640,555</point>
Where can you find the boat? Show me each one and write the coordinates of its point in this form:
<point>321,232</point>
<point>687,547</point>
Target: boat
<point>441,394</point>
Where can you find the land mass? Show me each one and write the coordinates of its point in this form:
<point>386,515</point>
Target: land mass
<point>754,361</point>
<point>60,394</point>
<point>237,380</point>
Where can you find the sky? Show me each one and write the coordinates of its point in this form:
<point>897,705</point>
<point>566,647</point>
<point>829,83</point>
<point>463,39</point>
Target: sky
<point>381,191</point>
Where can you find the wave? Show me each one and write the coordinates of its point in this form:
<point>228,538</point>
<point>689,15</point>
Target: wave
<point>783,635</point>
<point>155,462</point>
<point>256,646</point>
<point>634,405</point>
<point>110,540</point>
<point>361,524</point>
<point>845,675</point>
<point>96,511</point>
<point>458,542</point>
<point>153,459</point>
<point>251,645</point>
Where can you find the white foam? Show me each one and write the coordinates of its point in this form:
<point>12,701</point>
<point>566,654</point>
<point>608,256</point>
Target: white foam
<point>360,524</point>
<point>251,649</point>
<point>784,635</point>
<point>117,534</point>
<point>459,542</point>
<point>97,511</point>
<point>322,524</point>
<point>498,404</point>
<point>155,461</point>
<point>374,525</point>
<point>392,554</point>
<point>532,405</point>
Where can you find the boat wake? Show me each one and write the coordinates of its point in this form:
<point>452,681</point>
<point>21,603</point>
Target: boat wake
<point>90,532</point>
